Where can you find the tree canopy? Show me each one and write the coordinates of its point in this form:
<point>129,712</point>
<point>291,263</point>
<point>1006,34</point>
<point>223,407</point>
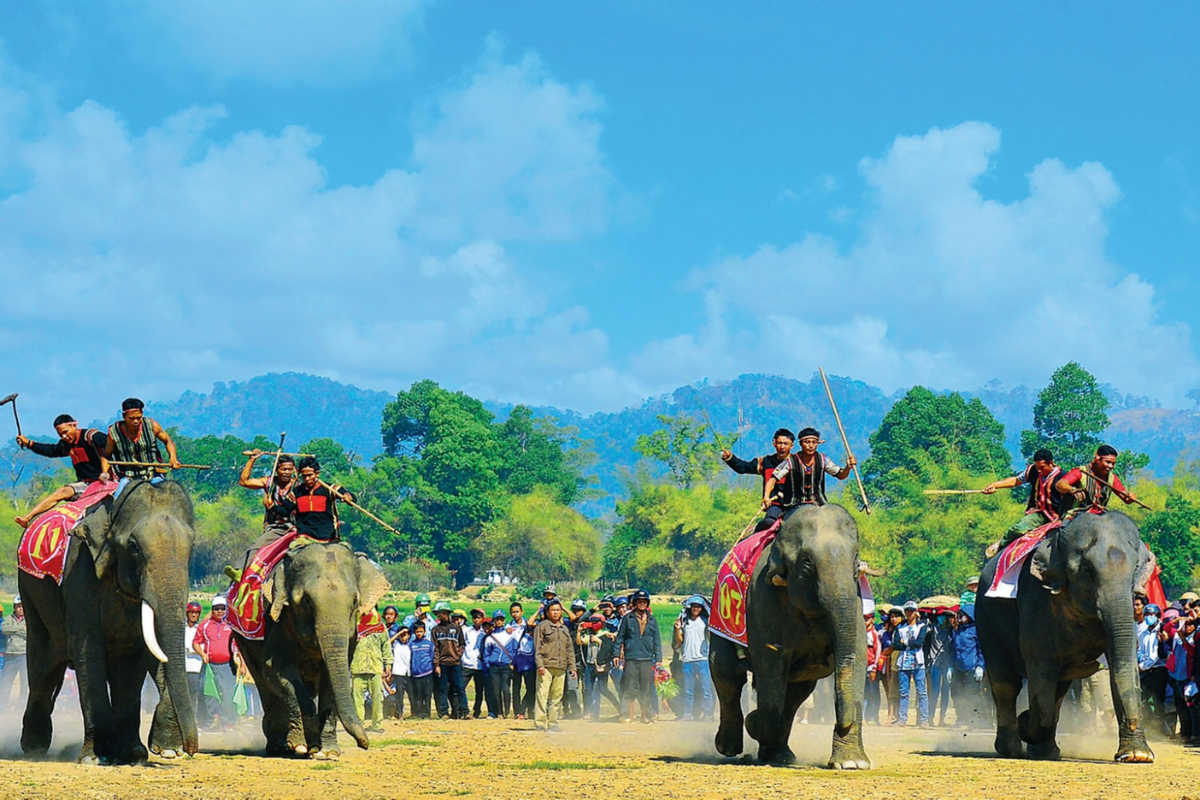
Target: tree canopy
<point>1068,418</point>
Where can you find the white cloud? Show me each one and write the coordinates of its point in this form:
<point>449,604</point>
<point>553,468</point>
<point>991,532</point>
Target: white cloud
<point>154,261</point>
<point>943,286</point>
<point>280,42</point>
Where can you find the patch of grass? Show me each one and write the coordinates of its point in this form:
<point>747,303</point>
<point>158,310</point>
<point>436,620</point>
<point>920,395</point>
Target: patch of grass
<point>406,741</point>
<point>323,766</point>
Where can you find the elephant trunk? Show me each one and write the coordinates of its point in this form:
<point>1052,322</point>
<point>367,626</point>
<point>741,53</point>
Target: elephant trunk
<point>838,592</point>
<point>335,648</point>
<point>164,622</point>
<point>1116,611</point>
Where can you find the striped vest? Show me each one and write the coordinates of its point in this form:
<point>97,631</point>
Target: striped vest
<point>144,448</point>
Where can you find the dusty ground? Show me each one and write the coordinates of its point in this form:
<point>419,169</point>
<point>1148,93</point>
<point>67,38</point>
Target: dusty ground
<point>499,759</point>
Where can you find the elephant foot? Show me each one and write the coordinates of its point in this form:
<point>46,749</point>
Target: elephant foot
<point>169,754</point>
<point>752,724</point>
<point>848,755</point>
<point>729,740</point>
<point>777,756</point>
<point>94,760</point>
<point>327,755</point>
<point>300,749</point>
<point>1044,751</point>
<point>35,746</point>
<point>853,763</point>
<point>1133,749</point>
<point>1008,744</point>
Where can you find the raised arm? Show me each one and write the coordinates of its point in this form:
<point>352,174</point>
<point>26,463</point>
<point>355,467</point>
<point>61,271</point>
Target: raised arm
<point>740,466</point>
<point>244,480</point>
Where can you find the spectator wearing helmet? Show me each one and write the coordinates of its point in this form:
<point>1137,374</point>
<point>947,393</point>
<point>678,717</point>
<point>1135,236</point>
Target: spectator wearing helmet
<point>555,658</point>
<point>449,644</point>
<point>690,638</point>
<point>909,640</point>
<point>498,654</point>
<point>472,667</point>
<point>1152,665</point>
<point>572,705</point>
<point>1181,656</point>
<point>520,630</point>
<point>420,613</point>
<point>640,648</point>
<point>213,642</point>
<point>422,660</point>
<point>194,664</point>
<point>13,629</point>
<point>966,688</point>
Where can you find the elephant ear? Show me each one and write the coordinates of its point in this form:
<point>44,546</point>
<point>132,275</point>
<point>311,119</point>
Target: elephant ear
<point>96,530</point>
<point>275,592</point>
<point>371,584</point>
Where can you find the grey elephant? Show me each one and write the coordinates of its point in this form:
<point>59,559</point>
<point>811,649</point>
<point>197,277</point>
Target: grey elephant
<point>313,601</point>
<point>117,616</point>
<point>1051,639</point>
<point>804,623</point>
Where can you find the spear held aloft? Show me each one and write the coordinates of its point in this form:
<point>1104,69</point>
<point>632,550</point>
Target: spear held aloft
<point>281,453</point>
<point>712,428</point>
<point>845,442</point>
<point>1119,493</point>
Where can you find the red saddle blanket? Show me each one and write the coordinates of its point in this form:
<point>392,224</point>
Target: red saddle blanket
<point>1008,568</point>
<point>727,618</point>
<point>247,613</point>
<point>43,548</point>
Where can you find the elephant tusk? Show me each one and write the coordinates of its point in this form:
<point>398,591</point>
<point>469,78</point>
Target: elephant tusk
<point>148,633</point>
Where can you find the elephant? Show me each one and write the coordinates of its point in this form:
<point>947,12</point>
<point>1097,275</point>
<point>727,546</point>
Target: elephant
<point>804,623</point>
<point>313,600</point>
<point>118,615</point>
<point>1051,638</point>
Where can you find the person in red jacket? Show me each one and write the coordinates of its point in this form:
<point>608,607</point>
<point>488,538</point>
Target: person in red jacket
<point>874,657</point>
<point>214,643</point>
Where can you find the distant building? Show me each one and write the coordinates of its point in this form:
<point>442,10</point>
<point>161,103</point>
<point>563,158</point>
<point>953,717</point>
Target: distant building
<point>496,577</point>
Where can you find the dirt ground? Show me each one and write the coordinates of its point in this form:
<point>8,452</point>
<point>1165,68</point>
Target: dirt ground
<point>501,759</point>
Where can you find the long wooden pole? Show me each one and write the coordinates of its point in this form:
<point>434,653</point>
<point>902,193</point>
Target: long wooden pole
<point>157,465</point>
<point>1115,489</point>
<point>293,455</point>
<point>355,505</point>
<point>953,491</point>
<point>275,466</point>
<point>712,428</point>
<point>845,442</point>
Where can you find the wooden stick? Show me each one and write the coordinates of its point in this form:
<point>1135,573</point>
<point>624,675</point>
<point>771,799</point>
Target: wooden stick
<point>293,455</point>
<point>754,519</point>
<point>1115,489</point>
<point>953,491</point>
<point>712,427</point>
<point>275,466</point>
<point>355,505</point>
<point>158,466</point>
<point>845,442</point>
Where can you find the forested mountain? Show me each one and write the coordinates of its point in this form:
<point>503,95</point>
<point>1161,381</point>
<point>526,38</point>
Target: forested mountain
<point>750,407</point>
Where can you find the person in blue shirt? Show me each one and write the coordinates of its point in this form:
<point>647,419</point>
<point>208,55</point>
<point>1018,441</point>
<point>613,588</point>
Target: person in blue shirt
<point>422,670</point>
<point>497,656</point>
<point>520,630</point>
<point>966,689</point>
<point>910,640</point>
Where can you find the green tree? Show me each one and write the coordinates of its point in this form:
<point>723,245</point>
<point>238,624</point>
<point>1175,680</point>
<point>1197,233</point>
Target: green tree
<point>1068,418</point>
<point>679,446</point>
<point>1173,534</point>
<point>536,452</point>
<point>222,453</point>
<point>946,428</point>
<point>540,538</point>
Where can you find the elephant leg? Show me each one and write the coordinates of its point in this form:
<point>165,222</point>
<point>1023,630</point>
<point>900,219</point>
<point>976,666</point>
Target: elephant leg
<point>91,674</point>
<point>1039,724</point>
<point>771,723</point>
<point>1005,688</point>
<point>166,738</point>
<point>276,707</point>
<point>329,721</point>
<point>729,677</point>
<point>128,675</point>
<point>45,670</point>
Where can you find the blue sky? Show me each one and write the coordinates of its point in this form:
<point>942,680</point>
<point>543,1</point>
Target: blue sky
<point>586,204</point>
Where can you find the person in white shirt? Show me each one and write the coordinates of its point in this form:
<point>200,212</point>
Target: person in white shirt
<point>401,673</point>
<point>472,669</point>
<point>690,638</point>
<point>194,664</point>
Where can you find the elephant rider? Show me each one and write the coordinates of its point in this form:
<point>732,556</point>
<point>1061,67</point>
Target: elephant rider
<point>314,503</point>
<point>421,614</point>
<point>766,466</point>
<point>85,447</point>
<point>135,438</point>
<point>807,471</point>
<point>1045,501</point>
<point>1083,492</point>
<point>279,507</point>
